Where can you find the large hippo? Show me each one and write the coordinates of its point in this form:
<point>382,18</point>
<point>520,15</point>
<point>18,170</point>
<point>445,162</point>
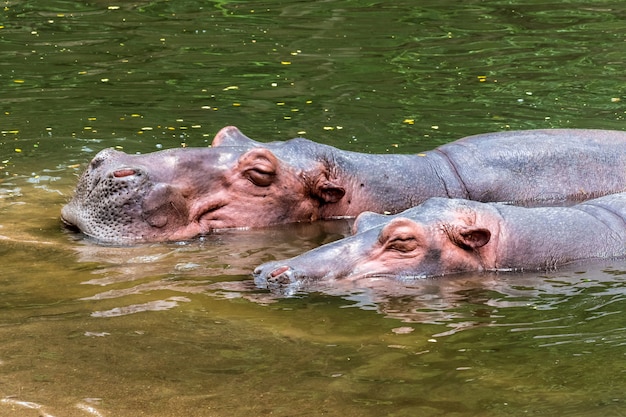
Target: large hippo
<point>177,194</point>
<point>446,236</point>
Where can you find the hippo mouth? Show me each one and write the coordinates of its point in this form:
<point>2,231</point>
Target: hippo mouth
<point>286,281</point>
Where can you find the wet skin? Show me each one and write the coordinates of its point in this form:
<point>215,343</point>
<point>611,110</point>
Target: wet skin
<point>178,194</point>
<point>447,236</point>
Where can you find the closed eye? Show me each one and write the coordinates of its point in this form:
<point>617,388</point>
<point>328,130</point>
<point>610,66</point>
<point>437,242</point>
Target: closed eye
<point>261,177</point>
<point>402,244</point>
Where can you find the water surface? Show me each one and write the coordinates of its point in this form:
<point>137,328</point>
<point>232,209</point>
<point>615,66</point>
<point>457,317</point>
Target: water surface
<point>179,329</point>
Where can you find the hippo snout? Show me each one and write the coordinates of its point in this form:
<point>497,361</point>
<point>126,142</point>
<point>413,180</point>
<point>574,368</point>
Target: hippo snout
<point>277,278</point>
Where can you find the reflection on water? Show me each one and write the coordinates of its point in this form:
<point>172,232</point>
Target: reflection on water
<point>180,329</point>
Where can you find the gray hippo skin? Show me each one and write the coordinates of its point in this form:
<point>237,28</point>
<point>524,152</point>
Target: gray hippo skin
<point>178,194</point>
<point>446,236</point>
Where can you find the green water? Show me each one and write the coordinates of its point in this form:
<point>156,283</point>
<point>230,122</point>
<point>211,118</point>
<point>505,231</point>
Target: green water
<point>172,329</point>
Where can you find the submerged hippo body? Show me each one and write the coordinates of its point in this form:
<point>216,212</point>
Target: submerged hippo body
<point>181,193</point>
<point>446,236</point>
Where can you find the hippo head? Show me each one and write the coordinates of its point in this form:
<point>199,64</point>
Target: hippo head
<point>181,193</point>
<point>439,237</point>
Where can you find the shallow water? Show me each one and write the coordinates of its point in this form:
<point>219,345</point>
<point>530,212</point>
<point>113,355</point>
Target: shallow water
<point>179,329</point>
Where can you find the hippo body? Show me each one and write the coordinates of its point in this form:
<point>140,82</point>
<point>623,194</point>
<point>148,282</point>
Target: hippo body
<point>178,194</point>
<point>446,236</point>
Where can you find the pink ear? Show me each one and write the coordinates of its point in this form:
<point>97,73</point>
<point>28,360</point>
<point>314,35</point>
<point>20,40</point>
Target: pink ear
<point>470,237</point>
<point>329,191</point>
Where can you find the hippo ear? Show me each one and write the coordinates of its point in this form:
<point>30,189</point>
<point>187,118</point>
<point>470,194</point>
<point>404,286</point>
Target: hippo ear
<point>470,237</point>
<point>259,165</point>
<point>328,191</point>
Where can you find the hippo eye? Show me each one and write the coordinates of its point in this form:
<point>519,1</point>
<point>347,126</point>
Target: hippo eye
<point>261,176</point>
<point>401,235</point>
<point>402,243</point>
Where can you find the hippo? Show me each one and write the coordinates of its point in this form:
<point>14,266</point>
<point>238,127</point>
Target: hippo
<point>178,194</point>
<point>447,236</point>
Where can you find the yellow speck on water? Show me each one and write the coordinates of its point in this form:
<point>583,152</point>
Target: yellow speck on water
<point>287,117</point>
<point>18,150</point>
<point>409,121</point>
<point>135,115</point>
<point>91,119</point>
<point>309,101</point>
<point>82,72</point>
<point>119,147</point>
<point>230,87</point>
<point>18,81</point>
<point>482,78</point>
<point>236,104</point>
<point>104,80</point>
<point>113,7</point>
<point>196,126</point>
<point>146,128</point>
<point>434,127</point>
<point>615,99</point>
<point>285,62</point>
<point>301,132</point>
<point>329,128</point>
<point>421,154</point>
<point>280,103</point>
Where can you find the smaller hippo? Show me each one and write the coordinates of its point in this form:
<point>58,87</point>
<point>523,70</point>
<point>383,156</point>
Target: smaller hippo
<point>446,236</point>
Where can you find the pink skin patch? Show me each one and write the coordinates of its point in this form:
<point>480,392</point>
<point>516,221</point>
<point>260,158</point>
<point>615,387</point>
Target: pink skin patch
<point>120,173</point>
<point>279,271</point>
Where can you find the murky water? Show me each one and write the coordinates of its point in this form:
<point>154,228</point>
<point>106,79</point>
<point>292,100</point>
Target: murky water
<point>179,329</point>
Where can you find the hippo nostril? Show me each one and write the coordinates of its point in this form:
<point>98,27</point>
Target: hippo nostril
<point>281,276</point>
<point>279,271</point>
<point>124,172</point>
